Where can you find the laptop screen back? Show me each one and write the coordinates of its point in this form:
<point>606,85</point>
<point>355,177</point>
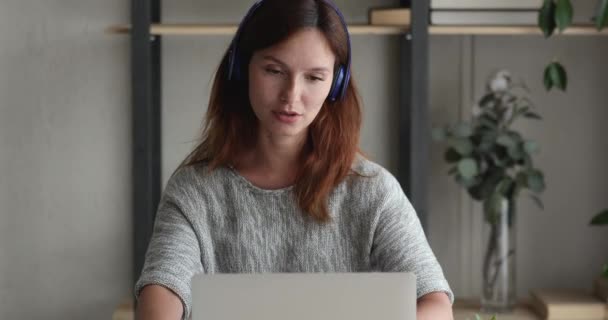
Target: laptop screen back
<point>304,296</point>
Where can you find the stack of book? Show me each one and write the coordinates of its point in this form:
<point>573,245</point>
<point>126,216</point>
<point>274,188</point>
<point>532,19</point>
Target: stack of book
<point>485,12</point>
<point>568,304</point>
<point>500,12</point>
<point>390,17</point>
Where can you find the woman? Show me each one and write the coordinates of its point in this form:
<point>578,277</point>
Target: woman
<point>277,183</point>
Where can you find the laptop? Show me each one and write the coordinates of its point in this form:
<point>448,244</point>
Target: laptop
<point>304,296</point>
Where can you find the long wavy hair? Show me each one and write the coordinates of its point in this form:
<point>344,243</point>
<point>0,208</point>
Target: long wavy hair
<point>230,125</point>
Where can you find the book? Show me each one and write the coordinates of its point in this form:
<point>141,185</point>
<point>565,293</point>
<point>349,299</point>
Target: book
<point>584,10</point>
<point>450,17</point>
<point>601,289</point>
<point>392,16</point>
<point>567,304</point>
<point>124,311</point>
<point>486,4</point>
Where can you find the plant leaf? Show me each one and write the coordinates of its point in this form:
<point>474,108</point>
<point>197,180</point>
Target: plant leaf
<point>605,271</point>
<point>488,183</point>
<point>601,19</point>
<point>531,147</point>
<point>452,156</point>
<point>505,140</point>
<point>547,77</point>
<point>562,76</point>
<point>532,115</point>
<point>536,181</point>
<point>600,219</point>
<point>522,179</point>
<point>462,145</point>
<point>515,152</point>
<point>537,201</point>
<point>467,168</point>
<point>504,186</point>
<point>563,14</point>
<point>546,18</point>
<point>556,75</point>
<point>487,121</point>
<point>486,99</point>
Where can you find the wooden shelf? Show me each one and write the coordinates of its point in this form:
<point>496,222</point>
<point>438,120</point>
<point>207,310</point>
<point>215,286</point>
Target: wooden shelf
<point>510,30</point>
<point>361,29</point>
<point>206,29</point>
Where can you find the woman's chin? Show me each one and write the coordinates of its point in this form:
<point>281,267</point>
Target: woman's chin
<point>285,132</point>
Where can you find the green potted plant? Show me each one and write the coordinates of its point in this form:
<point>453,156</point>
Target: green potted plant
<point>557,14</point>
<point>493,162</point>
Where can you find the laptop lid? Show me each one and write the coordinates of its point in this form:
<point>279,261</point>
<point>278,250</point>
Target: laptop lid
<point>304,296</point>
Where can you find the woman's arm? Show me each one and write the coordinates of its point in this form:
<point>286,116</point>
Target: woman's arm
<point>173,255</point>
<point>434,306</point>
<point>158,303</point>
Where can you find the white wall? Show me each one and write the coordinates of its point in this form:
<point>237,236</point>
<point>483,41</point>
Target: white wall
<point>65,221</point>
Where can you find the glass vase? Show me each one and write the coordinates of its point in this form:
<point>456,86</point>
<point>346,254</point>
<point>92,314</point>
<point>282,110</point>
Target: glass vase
<point>498,270</point>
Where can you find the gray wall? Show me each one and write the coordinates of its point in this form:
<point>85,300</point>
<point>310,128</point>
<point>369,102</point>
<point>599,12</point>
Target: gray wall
<point>65,221</point>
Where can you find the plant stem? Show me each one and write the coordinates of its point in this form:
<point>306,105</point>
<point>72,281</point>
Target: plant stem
<point>490,251</point>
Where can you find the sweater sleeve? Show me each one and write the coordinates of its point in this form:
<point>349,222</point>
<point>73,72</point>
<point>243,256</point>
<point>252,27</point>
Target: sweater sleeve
<point>173,255</point>
<point>400,245</point>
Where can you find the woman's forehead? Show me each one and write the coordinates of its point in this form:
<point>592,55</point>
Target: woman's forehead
<point>307,48</point>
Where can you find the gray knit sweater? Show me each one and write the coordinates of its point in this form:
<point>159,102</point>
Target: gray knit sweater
<point>218,222</point>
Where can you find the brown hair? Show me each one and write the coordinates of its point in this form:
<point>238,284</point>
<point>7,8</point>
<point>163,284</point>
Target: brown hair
<point>231,126</point>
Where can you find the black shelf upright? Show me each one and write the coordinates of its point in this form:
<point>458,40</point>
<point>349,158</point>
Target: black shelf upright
<point>414,128</point>
<point>146,125</point>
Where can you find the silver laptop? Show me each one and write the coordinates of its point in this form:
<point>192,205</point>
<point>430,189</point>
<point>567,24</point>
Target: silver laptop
<point>304,296</point>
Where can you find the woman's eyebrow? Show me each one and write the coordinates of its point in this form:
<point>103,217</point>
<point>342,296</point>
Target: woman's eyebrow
<point>278,61</point>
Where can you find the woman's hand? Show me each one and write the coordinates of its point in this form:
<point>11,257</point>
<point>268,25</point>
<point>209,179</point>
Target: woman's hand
<point>434,306</point>
<point>158,302</point>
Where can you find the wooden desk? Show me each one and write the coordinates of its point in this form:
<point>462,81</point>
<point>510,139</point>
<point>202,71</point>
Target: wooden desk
<point>463,309</point>
<point>124,311</point>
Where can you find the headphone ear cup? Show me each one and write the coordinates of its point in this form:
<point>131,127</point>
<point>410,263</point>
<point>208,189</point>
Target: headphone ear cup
<point>237,69</point>
<point>336,85</point>
<point>234,66</point>
<point>230,63</point>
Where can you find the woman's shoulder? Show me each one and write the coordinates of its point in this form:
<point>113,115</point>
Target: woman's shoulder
<point>194,176</point>
<point>368,172</point>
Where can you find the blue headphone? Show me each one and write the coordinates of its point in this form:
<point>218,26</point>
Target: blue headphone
<point>341,74</point>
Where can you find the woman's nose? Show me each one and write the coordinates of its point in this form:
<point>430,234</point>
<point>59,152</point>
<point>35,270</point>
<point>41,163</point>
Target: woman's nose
<point>291,90</point>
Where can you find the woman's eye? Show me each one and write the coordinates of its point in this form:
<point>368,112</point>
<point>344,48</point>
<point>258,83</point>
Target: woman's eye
<point>273,71</point>
<point>313,78</point>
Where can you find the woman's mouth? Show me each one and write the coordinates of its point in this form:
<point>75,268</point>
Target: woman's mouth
<point>286,116</point>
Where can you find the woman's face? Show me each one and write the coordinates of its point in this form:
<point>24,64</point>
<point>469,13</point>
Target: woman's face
<point>289,82</point>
